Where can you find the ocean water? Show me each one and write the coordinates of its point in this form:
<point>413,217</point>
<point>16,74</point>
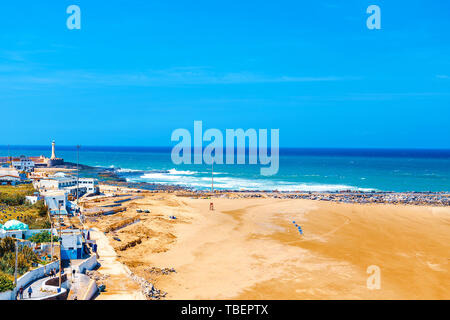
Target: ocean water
<point>299,169</point>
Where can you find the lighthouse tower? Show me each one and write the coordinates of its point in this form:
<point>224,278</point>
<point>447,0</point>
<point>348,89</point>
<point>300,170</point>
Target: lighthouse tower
<point>53,151</point>
<point>54,161</point>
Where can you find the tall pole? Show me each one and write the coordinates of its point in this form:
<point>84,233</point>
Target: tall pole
<point>212,177</point>
<point>60,244</point>
<point>78,177</point>
<point>15,266</point>
<point>51,233</point>
<point>51,240</point>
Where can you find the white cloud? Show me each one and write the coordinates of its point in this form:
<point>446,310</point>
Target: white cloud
<point>165,77</point>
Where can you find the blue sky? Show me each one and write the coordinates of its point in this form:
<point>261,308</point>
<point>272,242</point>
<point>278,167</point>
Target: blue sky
<point>137,70</point>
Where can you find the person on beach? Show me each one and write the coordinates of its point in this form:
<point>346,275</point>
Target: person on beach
<point>30,291</point>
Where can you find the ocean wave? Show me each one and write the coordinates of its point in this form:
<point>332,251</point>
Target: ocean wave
<point>230,183</point>
<point>160,176</point>
<point>125,170</point>
<point>181,172</point>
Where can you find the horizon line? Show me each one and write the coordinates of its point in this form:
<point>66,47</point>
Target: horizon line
<point>170,147</point>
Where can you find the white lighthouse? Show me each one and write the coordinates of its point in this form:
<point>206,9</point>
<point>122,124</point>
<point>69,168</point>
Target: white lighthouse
<point>53,151</point>
<point>54,161</point>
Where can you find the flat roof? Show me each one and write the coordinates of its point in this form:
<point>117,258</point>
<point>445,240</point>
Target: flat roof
<point>54,193</point>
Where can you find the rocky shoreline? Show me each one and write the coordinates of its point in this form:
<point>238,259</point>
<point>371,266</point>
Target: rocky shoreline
<point>109,176</point>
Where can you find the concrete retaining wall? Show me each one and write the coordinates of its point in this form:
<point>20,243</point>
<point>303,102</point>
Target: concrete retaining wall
<point>58,296</point>
<point>91,291</point>
<point>36,274</point>
<point>29,277</point>
<point>52,285</point>
<point>7,295</point>
<point>88,264</point>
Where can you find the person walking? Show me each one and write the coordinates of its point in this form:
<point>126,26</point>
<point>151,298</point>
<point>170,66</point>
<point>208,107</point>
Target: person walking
<point>30,291</point>
<point>21,293</point>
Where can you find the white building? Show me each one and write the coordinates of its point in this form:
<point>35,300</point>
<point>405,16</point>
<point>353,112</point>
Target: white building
<point>9,176</point>
<point>85,185</point>
<point>90,184</point>
<point>56,202</point>
<point>23,164</point>
<point>73,190</point>
<point>56,183</point>
<point>6,179</point>
<point>33,199</point>
<point>20,234</point>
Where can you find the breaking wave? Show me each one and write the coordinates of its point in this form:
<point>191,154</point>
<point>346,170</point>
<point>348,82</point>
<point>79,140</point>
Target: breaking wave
<point>193,180</point>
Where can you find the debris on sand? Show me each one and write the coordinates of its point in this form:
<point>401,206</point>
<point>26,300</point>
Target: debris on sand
<point>148,289</point>
<point>98,277</point>
<point>159,271</point>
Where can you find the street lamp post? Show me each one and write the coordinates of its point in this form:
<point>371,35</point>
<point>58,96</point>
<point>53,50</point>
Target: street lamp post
<point>60,244</point>
<point>15,266</point>
<point>51,232</point>
<point>78,176</point>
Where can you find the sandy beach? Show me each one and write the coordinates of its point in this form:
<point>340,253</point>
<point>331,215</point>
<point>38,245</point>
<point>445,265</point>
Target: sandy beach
<point>250,249</point>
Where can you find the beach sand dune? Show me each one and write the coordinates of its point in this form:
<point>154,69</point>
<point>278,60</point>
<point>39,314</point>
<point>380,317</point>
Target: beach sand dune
<point>250,248</point>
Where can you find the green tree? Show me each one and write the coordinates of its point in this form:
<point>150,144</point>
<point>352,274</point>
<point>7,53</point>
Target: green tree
<point>5,283</point>
<point>41,237</point>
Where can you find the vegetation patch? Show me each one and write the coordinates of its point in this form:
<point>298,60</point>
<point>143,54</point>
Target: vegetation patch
<point>13,206</point>
<point>25,259</point>
<point>43,237</point>
<point>6,283</point>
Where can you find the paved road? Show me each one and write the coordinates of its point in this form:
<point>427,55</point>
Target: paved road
<point>37,285</point>
<point>37,293</point>
<point>119,286</point>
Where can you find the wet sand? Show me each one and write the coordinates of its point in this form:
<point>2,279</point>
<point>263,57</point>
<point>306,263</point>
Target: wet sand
<point>250,249</point>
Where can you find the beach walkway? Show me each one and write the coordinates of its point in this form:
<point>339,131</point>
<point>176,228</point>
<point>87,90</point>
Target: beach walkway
<point>37,293</point>
<point>119,286</point>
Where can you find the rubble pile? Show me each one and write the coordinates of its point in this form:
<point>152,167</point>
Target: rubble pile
<point>148,289</point>
<point>98,277</point>
<point>159,271</point>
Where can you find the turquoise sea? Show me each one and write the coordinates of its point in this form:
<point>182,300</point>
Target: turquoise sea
<point>299,169</point>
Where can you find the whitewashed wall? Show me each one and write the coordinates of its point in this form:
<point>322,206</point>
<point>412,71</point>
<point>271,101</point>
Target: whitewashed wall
<point>29,277</point>
<point>88,264</point>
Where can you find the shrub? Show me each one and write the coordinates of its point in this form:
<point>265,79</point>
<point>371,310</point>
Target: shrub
<point>25,257</point>
<point>7,245</point>
<point>24,260</point>
<point>41,237</point>
<point>41,208</point>
<point>5,283</point>
<point>15,199</point>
